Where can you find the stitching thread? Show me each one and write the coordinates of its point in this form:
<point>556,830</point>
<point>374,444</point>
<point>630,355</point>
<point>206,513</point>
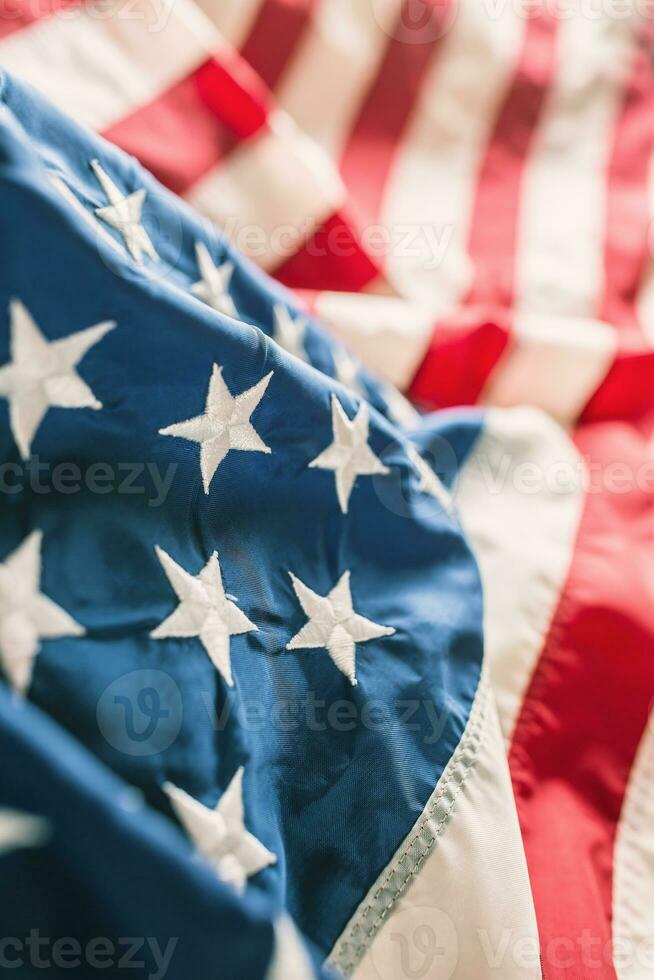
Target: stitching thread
<point>634,826</point>
<point>409,859</point>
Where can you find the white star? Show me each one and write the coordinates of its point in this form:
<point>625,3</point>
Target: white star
<point>289,333</point>
<point>346,370</point>
<point>429,481</point>
<point>334,624</point>
<point>224,425</point>
<point>18,829</point>
<point>220,834</point>
<point>124,214</point>
<point>203,611</point>
<point>41,374</point>
<point>213,287</point>
<point>349,455</point>
<point>26,615</point>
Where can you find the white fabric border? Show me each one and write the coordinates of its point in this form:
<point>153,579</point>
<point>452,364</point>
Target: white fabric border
<point>633,874</point>
<point>465,881</point>
<point>520,496</point>
<point>410,857</point>
<point>290,959</point>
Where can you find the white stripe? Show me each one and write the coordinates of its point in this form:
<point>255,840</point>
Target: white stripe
<point>290,959</point>
<point>430,192</point>
<point>633,874</point>
<point>271,193</point>
<point>560,254</point>
<point>327,79</point>
<point>465,911</point>
<point>100,64</point>
<point>555,364</point>
<point>233,18</point>
<point>389,335</point>
<point>520,497</point>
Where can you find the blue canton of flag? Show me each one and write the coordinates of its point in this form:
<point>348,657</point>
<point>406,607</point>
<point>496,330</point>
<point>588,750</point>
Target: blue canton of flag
<point>240,629</point>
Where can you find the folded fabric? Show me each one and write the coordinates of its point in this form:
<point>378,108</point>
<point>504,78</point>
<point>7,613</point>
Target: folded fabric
<point>228,579</point>
<point>463,197</point>
<point>515,150</point>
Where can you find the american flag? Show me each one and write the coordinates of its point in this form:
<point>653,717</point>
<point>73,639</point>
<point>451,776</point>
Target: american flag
<point>298,679</point>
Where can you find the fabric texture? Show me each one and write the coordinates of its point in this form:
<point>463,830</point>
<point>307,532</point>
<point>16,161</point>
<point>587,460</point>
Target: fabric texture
<point>461,192</point>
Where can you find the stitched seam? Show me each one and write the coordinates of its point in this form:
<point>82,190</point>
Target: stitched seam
<point>641,812</point>
<point>417,840</point>
<point>408,861</point>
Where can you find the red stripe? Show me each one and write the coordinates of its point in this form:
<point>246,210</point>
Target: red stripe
<point>235,94</point>
<point>176,137</point>
<point>17,14</point>
<point>275,34</point>
<point>628,208</point>
<point>189,128</point>
<point>462,353</point>
<point>492,241</point>
<point>376,134</point>
<point>333,257</point>
<point>467,346</point>
<point>627,391</point>
<point>585,712</point>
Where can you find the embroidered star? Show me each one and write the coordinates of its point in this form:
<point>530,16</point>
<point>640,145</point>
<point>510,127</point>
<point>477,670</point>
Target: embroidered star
<point>224,425</point>
<point>349,455</point>
<point>334,625</point>
<point>18,829</point>
<point>204,611</point>
<point>41,374</point>
<point>289,333</point>
<point>124,214</point>
<point>429,481</point>
<point>219,833</point>
<point>213,286</point>
<point>346,370</point>
<point>26,615</point>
